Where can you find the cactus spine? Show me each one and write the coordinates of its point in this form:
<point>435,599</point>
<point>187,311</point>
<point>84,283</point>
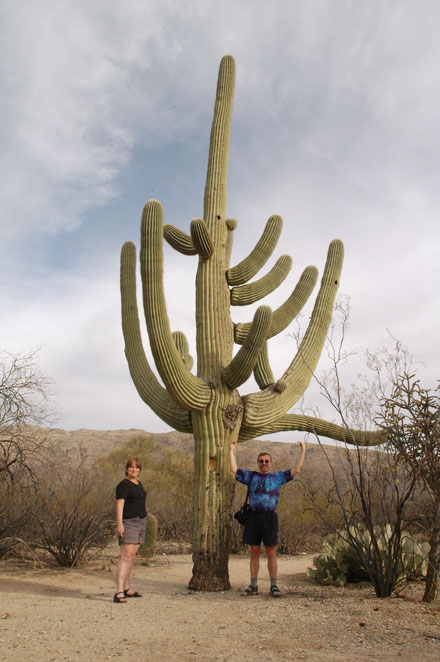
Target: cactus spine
<point>209,405</point>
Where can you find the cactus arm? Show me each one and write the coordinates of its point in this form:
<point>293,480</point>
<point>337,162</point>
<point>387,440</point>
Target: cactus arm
<point>201,238</point>
<point>317,426</point>
<point>241,366</point>
<point>248,267</point>
<point>262,371</point>
<point>247,294</point>
<point>179,240</point>
<point>182,347</point>
<point>268,405</point>
<point>188,391</point>
<point>283,315</point>
<point>145,381</point>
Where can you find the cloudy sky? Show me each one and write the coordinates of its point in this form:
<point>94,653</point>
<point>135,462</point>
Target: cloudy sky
<point>107,104</point>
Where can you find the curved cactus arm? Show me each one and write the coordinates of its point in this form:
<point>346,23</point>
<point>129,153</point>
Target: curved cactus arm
<point>317,426</point>
<point>268,405</point>
<point>283,315</point>
<point>182,347</point>
<point>247,294</point>
<point>248,267</point>
<point>262,371</point>
<point>143,377</point>
<point>241,366</point>
<point>201,238</point>
<point>179,240</point>
<point>189,391</point>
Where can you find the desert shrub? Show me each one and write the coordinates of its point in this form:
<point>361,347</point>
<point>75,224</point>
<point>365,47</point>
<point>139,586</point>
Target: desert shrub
<point>15,520</point>
<point>72,511</point>
<point>342,562</point>
<point>172,496</point>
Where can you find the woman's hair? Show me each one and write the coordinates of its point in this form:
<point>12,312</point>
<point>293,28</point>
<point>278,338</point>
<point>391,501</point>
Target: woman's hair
<point>133,460</point>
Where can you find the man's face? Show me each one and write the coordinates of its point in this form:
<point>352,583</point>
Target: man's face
<point>264,464</point>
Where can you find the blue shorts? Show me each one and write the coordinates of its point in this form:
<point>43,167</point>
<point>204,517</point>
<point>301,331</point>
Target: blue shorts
<point>261,526</point>
<point>134,531</point>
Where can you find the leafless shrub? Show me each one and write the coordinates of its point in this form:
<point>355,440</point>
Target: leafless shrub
<point>24,404</point>
<point>73,512</point>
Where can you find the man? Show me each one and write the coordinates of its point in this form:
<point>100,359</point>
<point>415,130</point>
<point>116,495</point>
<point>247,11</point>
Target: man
<point>262,521</point>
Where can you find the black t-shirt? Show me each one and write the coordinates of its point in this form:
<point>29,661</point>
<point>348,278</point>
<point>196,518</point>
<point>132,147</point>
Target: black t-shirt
<point>134,498</point>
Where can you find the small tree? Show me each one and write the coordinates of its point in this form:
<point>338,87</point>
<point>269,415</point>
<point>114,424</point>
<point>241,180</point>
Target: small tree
<point>373,498</point>
<point>24,405</point>
<point>370,488</point>
<point>410,418</point>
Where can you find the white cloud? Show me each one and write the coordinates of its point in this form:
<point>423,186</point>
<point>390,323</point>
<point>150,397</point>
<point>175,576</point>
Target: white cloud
<point>334,127</point>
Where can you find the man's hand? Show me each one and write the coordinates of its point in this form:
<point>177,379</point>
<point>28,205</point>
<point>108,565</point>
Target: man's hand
<point>233,445</point>
<point>303,446</point>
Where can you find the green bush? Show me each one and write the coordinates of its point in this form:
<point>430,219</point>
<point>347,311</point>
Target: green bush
<point>149,544</point>
<point>342,562</point>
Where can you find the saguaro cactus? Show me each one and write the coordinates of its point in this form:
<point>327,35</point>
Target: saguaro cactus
<point>208,404</point>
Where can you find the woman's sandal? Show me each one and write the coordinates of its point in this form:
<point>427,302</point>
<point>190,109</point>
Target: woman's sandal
<point>135,594</point>
<point>119,597</point>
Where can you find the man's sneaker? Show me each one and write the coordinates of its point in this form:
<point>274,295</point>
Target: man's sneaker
<point>275,591</point>
<point>250,590</point>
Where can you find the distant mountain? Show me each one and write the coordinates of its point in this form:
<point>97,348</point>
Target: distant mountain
<point>99,442</point>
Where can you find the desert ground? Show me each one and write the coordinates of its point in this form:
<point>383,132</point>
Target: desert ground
<point>54,614</point>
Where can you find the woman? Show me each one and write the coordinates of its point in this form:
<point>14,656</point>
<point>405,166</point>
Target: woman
<point>130,525</point>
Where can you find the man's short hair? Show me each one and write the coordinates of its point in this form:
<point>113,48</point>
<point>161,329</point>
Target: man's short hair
<point>261,455</point>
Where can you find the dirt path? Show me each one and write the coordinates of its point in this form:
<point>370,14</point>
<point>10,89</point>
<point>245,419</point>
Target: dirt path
<point>57,615</point>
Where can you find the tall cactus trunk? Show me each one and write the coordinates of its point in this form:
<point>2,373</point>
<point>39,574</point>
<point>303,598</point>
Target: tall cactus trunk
<point>213,492</point>
<point>213,488</point>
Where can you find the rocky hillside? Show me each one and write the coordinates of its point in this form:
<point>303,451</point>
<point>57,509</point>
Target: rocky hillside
<point>99,442</point>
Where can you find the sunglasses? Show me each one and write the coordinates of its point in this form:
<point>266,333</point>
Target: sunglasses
<point>264,461</point>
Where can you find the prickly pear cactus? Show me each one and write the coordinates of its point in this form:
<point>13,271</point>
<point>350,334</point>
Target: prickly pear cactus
<point>341,563</point>
<point>208,404</point>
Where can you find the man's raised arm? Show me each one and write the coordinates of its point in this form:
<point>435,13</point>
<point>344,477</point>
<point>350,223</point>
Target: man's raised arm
<point>299,464</point>
<point>232,460</point>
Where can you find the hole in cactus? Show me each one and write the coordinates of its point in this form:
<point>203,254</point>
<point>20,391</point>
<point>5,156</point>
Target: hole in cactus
<point>212,463</point>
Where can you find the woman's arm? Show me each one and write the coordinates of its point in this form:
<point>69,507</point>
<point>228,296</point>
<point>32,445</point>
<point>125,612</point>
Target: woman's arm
<point>119,510</point>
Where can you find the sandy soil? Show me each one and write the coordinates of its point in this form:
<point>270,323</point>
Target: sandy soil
<point>54,614</point>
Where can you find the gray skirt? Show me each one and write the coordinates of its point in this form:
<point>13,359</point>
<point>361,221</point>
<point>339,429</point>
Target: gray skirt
<point>134,531</point>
